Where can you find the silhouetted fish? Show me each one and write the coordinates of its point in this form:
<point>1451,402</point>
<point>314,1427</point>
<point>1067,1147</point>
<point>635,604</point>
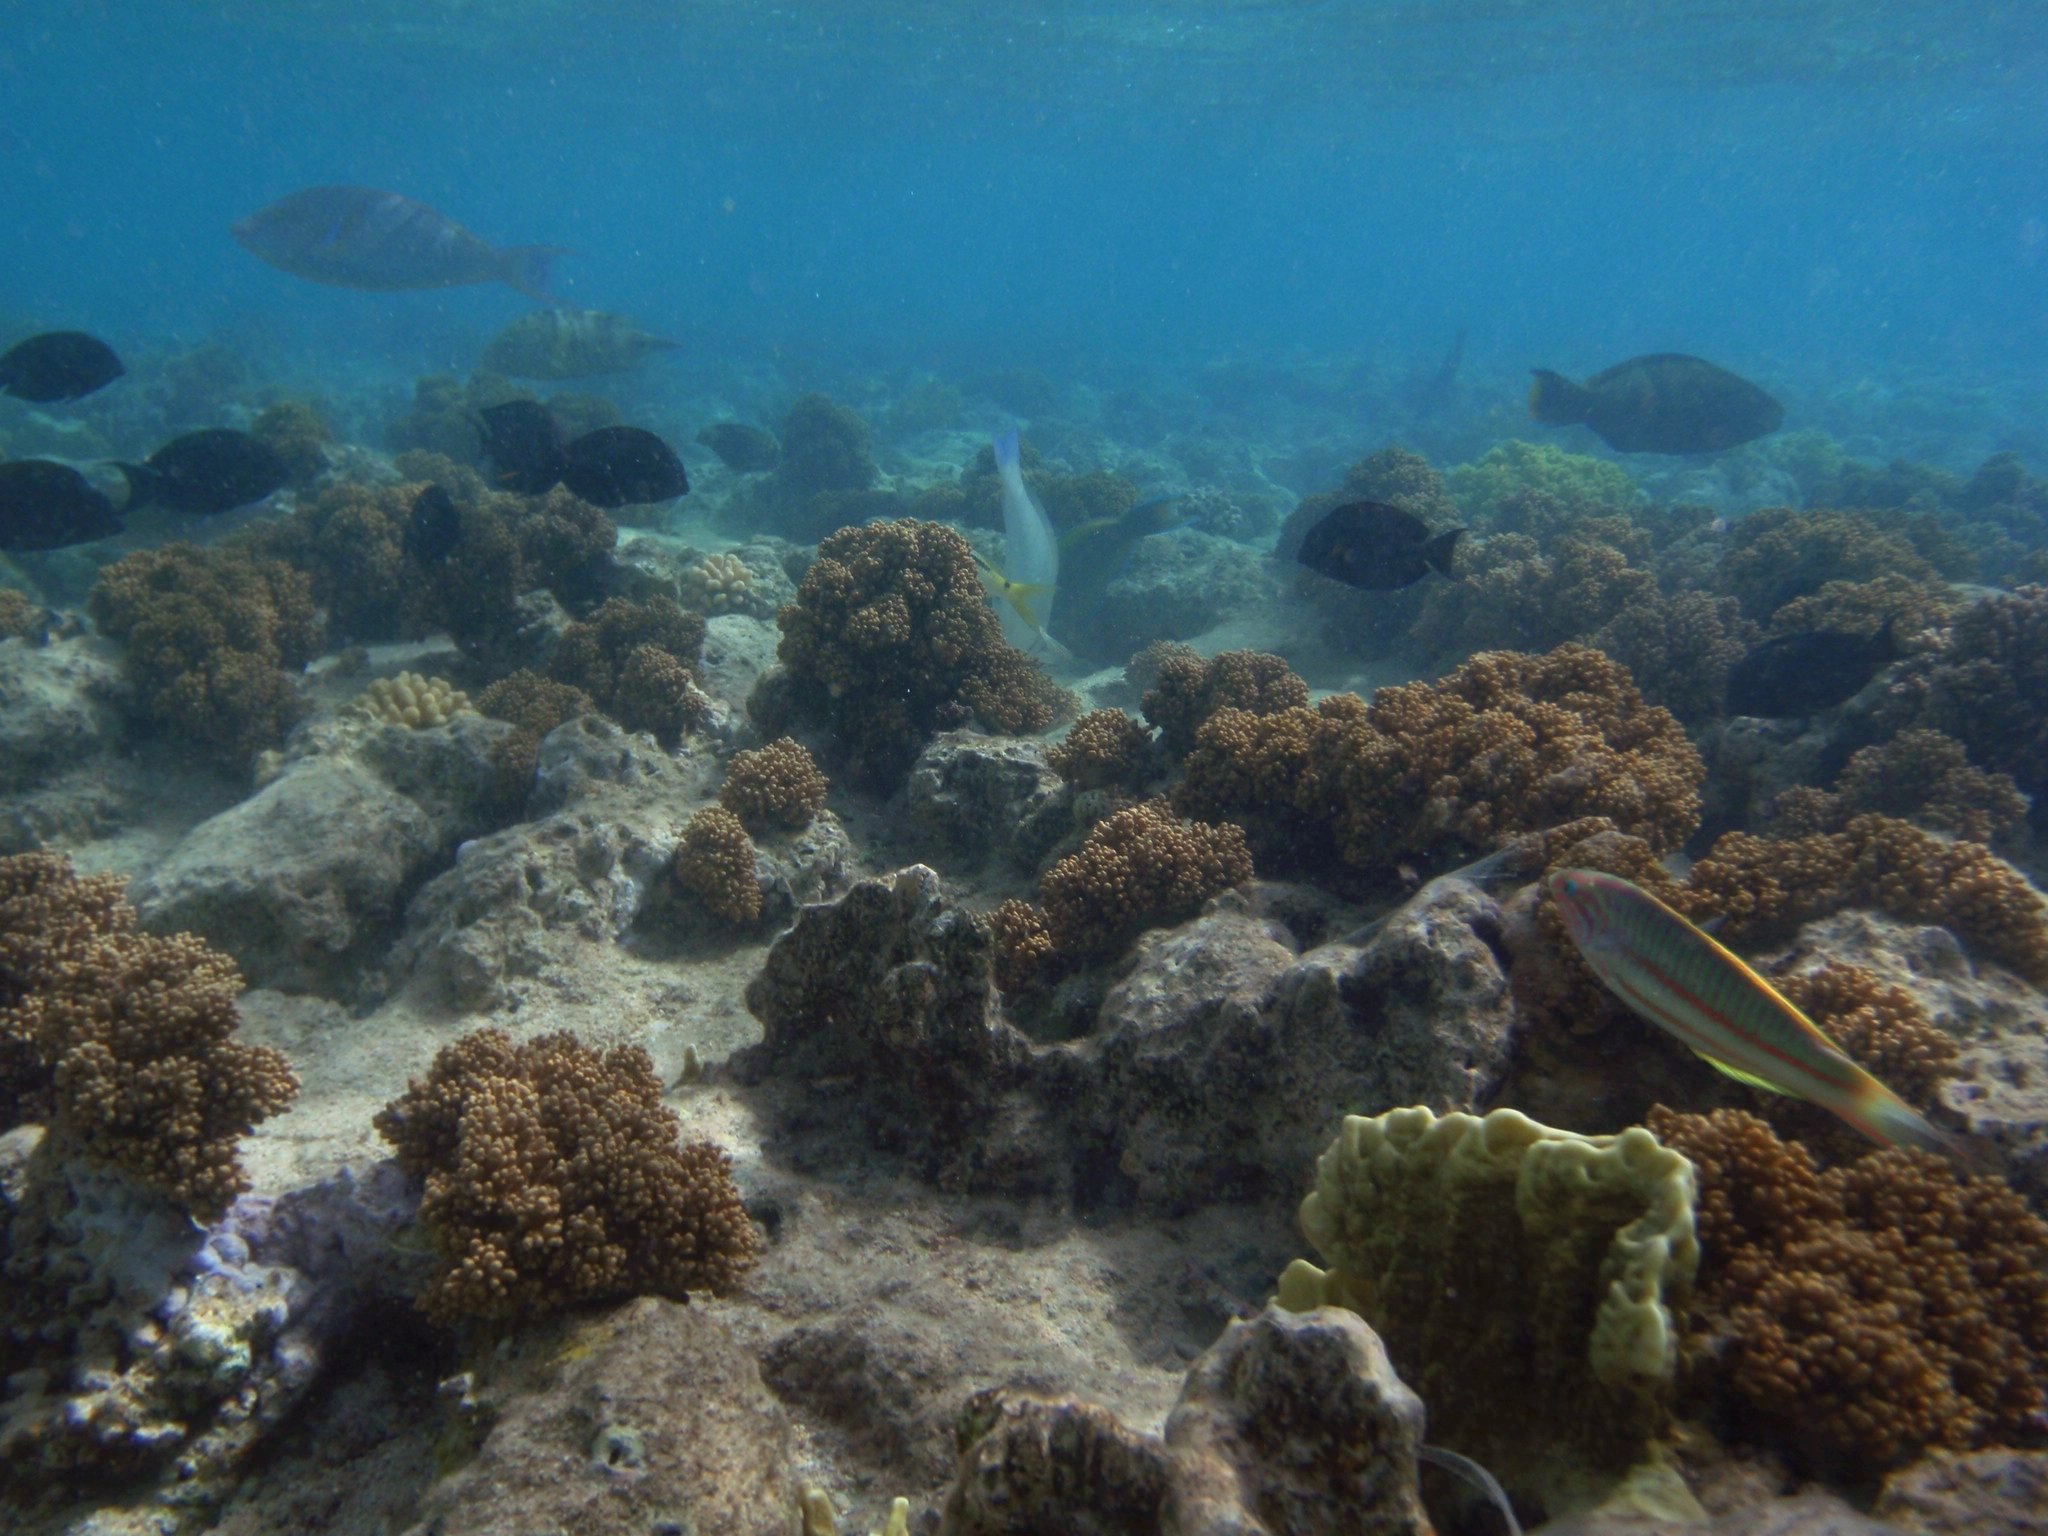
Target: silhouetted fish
<point>1663,403</point>
<point>356,237</point>
<point>623,466</point>
<point>58,365</point>
<point>524,446</point>
<point>1807,673</point>
<point>1375,547</point>
<point>739,446</point>
<point>570,344</point>
<point>434,527</point>
<point>215,470</point>
<point>46,505</point>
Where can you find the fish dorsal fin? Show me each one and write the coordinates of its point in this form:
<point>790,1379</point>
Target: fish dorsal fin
<point>1739,1075</point>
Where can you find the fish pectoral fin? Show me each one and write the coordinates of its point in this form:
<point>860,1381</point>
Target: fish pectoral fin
<point>1739,1075</point>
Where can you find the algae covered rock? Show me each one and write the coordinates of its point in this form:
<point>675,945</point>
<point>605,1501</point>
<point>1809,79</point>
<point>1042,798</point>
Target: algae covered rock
<point>1524,1278</point>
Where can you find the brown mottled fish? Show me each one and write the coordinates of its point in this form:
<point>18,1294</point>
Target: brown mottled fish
<point>570,344</point>
<point>1663,403</point>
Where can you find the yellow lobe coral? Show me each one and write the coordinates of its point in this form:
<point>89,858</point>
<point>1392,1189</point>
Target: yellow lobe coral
<point>1525,1281</point>
<point>717,584</point>
<point>414,701</point>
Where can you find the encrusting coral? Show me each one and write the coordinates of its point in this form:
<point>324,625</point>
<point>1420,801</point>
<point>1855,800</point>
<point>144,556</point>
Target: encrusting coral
<point>1527,1284</point>
<point>412,700</point>
<point>553,1176</point>
<point>891,632</point>
<point>776,785</point>
<point>1506,743</point>
<point>715,861</point>
<point>1104,749</point>
<point>120,1042</point>
<point>209,637</point>
<point>1864,1314</point>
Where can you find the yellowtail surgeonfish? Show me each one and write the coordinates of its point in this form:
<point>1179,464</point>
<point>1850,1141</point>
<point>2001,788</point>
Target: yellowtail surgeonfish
<point>1683,981</point>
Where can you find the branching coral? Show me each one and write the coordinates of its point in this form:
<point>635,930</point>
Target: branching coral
<point>349,540</point>
<point>1777,555</point>
<point>553,1176</point>
<point>1919,776</point>
<point>1867,1313</point>
<point>1505,744</point>
<point>889,632</point>
<point>1105,749</point>
<point>21,616</point>
<point>1519,594</point>
<point>1140,867</point>
<point>209,637</point>
<point>412,700</point>
<point>778,785</point>
<point>1989,687</point>
<point>634,659</point>
<point>715,862</point>
<point>1574,478</point>
<point>295,432</point>
<point>1679,649</point>
<point>1187,690</point>
<point>120,1042</point>
<point>536,705</point>
<point>1024,951</point>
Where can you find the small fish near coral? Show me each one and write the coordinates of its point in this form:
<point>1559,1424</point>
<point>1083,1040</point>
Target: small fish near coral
<point>747,450</point>
<point>523,446</point>
<point>1376,548</point>
<point>205,472</point>
<point>1680,978</point>
<point>1665,402</point>
<point>1797,675</point>
<point>47,505</point>
<point>358,237</point>
<point>571,344</point>
<point>623,467</point>
<point>57,365</point>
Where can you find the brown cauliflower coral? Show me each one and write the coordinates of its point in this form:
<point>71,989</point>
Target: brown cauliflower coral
<point>1139,867</point>
<point>120,1042</point>
<point>715,861</point>
<point>776,785</point>
<point>554,1176</point>
<point>890,632</point>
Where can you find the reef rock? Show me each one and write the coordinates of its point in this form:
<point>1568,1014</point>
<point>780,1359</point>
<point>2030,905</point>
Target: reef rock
<point>300,880</point>
<point>1287,1423</point>
<point>59,704</point>
<point>971,796</point>
<point>646,1418</point>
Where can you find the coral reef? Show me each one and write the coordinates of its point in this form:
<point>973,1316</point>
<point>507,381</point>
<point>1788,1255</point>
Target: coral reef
<point>776,785</point>
<point>1919,776</point>
<point>1512,467</point>
<point>1780,554</point>
<point>534,705</point>
<point>1866,1313</point>
<point>1506,743</point>
<point>715,862</point>
<point>1679,649</point>
<point>717,584</point>
<point>296,433</point>
<point>1989,687</point>
<point>1527,1282</point>
<point>634,659</point>
<point>209,637</point>
<point>1024,952</point>
<point>21,616</point>
<point>1518,593</point>
<point>1187,689</point>
<point>412,700</point>
<point>553,1176</point>
<point>889,634</point>
<point>349,540</point>
<point>120,1042</point>
<point>1104,749</point>
<point>1139,868</point>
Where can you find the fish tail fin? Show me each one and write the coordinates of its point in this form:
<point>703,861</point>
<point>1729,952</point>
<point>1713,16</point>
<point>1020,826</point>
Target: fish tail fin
<point>1437,553</point>
<point>1006,450</point>
<point>1555,400</point>
<point>529,269</point>
<point>1883,1116</point>
<point>141,484</point>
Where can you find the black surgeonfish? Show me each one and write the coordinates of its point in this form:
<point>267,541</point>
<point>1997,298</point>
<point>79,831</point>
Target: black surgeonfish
<point>358,237</point>
<point>58,365</point>
<point>1663,403</point>
<point>215,470</point>
<point>623,466</point>
<point>524,446</point>
<point>739,446</point>
<point>1803,674</point>
<point>47,505</point>
<point>1376,548</point>
<point>434,527</point>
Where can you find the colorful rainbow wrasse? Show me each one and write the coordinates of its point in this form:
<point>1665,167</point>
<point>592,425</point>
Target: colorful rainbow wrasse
<point>1683,981</point>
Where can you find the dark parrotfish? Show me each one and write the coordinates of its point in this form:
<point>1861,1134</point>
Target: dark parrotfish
<point>357,237</point>
<point>46,505</point>
<point>1663,403</point>
<point>523,445</point>
<point>1796,675</point>
<point>58,365</point>
<point>1377,548</point>
<point>570,344</point>
<point>623,466</point>
<point>215,470</point>
<point>434,527</point>
<point>739,446</point>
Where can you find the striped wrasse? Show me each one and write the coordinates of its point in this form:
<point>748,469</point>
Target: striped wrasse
<point>1683,981</point>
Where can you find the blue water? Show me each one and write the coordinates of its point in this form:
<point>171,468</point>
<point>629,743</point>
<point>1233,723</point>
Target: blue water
<point>1811,192</point>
